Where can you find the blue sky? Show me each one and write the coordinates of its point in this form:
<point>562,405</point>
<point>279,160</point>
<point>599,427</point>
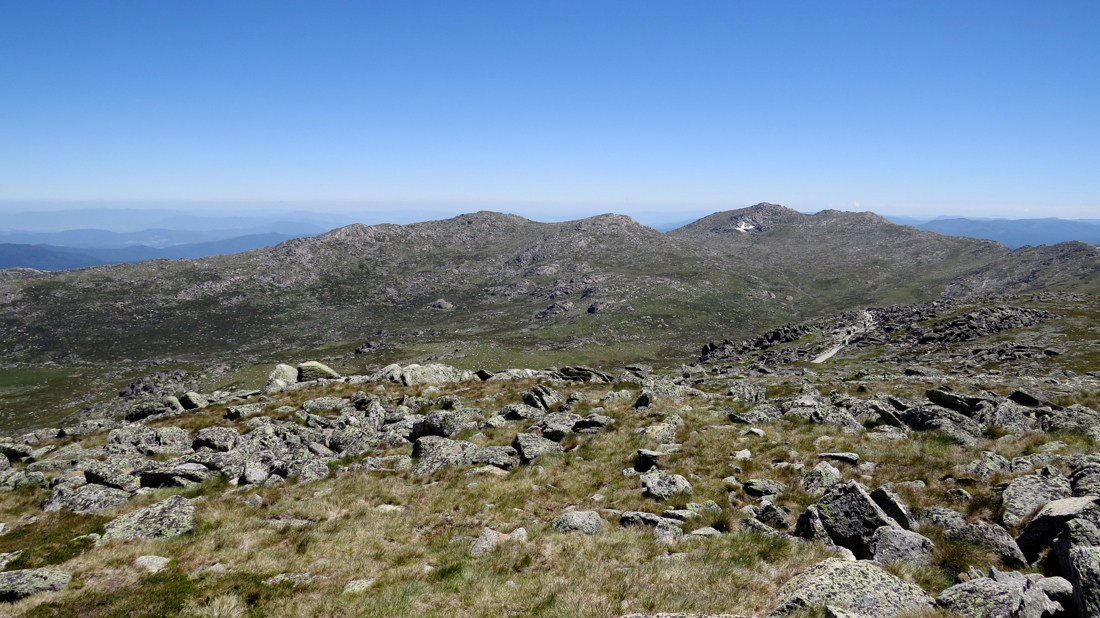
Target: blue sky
<point>921,108</point>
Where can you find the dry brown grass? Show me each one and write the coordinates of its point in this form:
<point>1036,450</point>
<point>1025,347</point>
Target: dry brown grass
<point>418,556</point>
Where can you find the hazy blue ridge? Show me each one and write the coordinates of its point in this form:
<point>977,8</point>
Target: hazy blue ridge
<point>1016,233</point>
<point>42,258</point>
<point>155,237</point>
<point>49,257</point>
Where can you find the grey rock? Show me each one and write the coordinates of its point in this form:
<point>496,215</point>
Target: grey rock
<point>772,515</point>
<point>1084,571</point>
<point>664,486</point>
<point>764,487</point>
<point>503,457</point>
<point>487,542</point>
<point>521,411</point>
<point>649,459</point>
<point>193,401</point>
<point>823,476</point>
<point>436,453</point>
<point>1049,522</point>
<point>216,438</point>
<point>280,378</point>
<point>892,504</point>
<point>896,545</point>
<point>321,404</point>
<point>558,425</point>
<point>167,518</point>
<point>641,518</point>
<point>1076,418</point>
<point>243,411</point>
<point>851,517</point>
<point>588,522</point>
<point>848,458</point>
<point>944,517</point>
<point>313,370</point>
<point>310,470</point>
<point>992,537</point>
<point>982,598</point>
<point>89,498</point>
<point>530,446</point>
<point>16,585</point>
<point>960,428</point>
<point>859,587</point>
<point>1006,415</point>
<point>543,398</point>
<point>667,534</point>
<point>152,564</point>
<point>1026,494</point>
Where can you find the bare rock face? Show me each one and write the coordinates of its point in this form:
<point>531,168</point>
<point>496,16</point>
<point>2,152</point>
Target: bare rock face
<point>860,587</point>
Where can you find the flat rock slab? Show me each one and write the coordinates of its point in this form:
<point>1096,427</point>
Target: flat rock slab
<point>167,518</point>
<point>15,585</point>
<point>859,587</point>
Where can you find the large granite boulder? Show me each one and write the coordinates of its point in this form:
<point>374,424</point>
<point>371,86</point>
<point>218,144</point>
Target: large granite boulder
<point>16,585</point>
<point>1026,494</point>
<point>859,587</point>
<point>167,518</point>
<point>851,517</point>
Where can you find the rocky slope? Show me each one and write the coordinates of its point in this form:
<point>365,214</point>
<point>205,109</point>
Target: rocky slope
<point>513,280</point>
<point>941,462</point>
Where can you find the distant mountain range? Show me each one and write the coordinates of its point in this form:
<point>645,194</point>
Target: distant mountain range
<point>1012,233</point>
<point>521,284</point>
<point>51,257</point>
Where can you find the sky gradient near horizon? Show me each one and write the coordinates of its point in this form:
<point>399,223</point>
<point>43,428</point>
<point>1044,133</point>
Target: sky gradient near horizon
<point>930,108</point>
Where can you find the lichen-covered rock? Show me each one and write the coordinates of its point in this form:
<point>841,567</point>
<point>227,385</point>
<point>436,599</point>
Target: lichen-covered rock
<point>530,446</point>
<point>896,545</point>
<point>89,498</point>
<point>664,486</point>
<point>503,457</point>
<point>216,438</point>
<point>1049,522</point>
<point>312,370</point>
<point>542,397</point>
<point>823,476</point>
<point>1026,494</point>
<point>430,373</point>
<point>961,429</point>
<point>982,598</point>
<point>1074,418</point>
<point>992,537</point>
<point>859,587</point>
<point>851,517</point>
<point>436,453</point>
<point>282,377</point>
<point>193,401</point>
<point>588,522</point>
<point>764,487</point>
<point>520,412</point>
<point>16,585</point>
<point>892,504</point>
<point>167,518</point>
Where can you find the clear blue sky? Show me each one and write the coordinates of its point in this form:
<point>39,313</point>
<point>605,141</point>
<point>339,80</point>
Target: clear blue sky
<point>924,108</point>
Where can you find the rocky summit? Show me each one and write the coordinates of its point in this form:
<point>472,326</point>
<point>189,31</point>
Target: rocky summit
<point>761,414</point>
